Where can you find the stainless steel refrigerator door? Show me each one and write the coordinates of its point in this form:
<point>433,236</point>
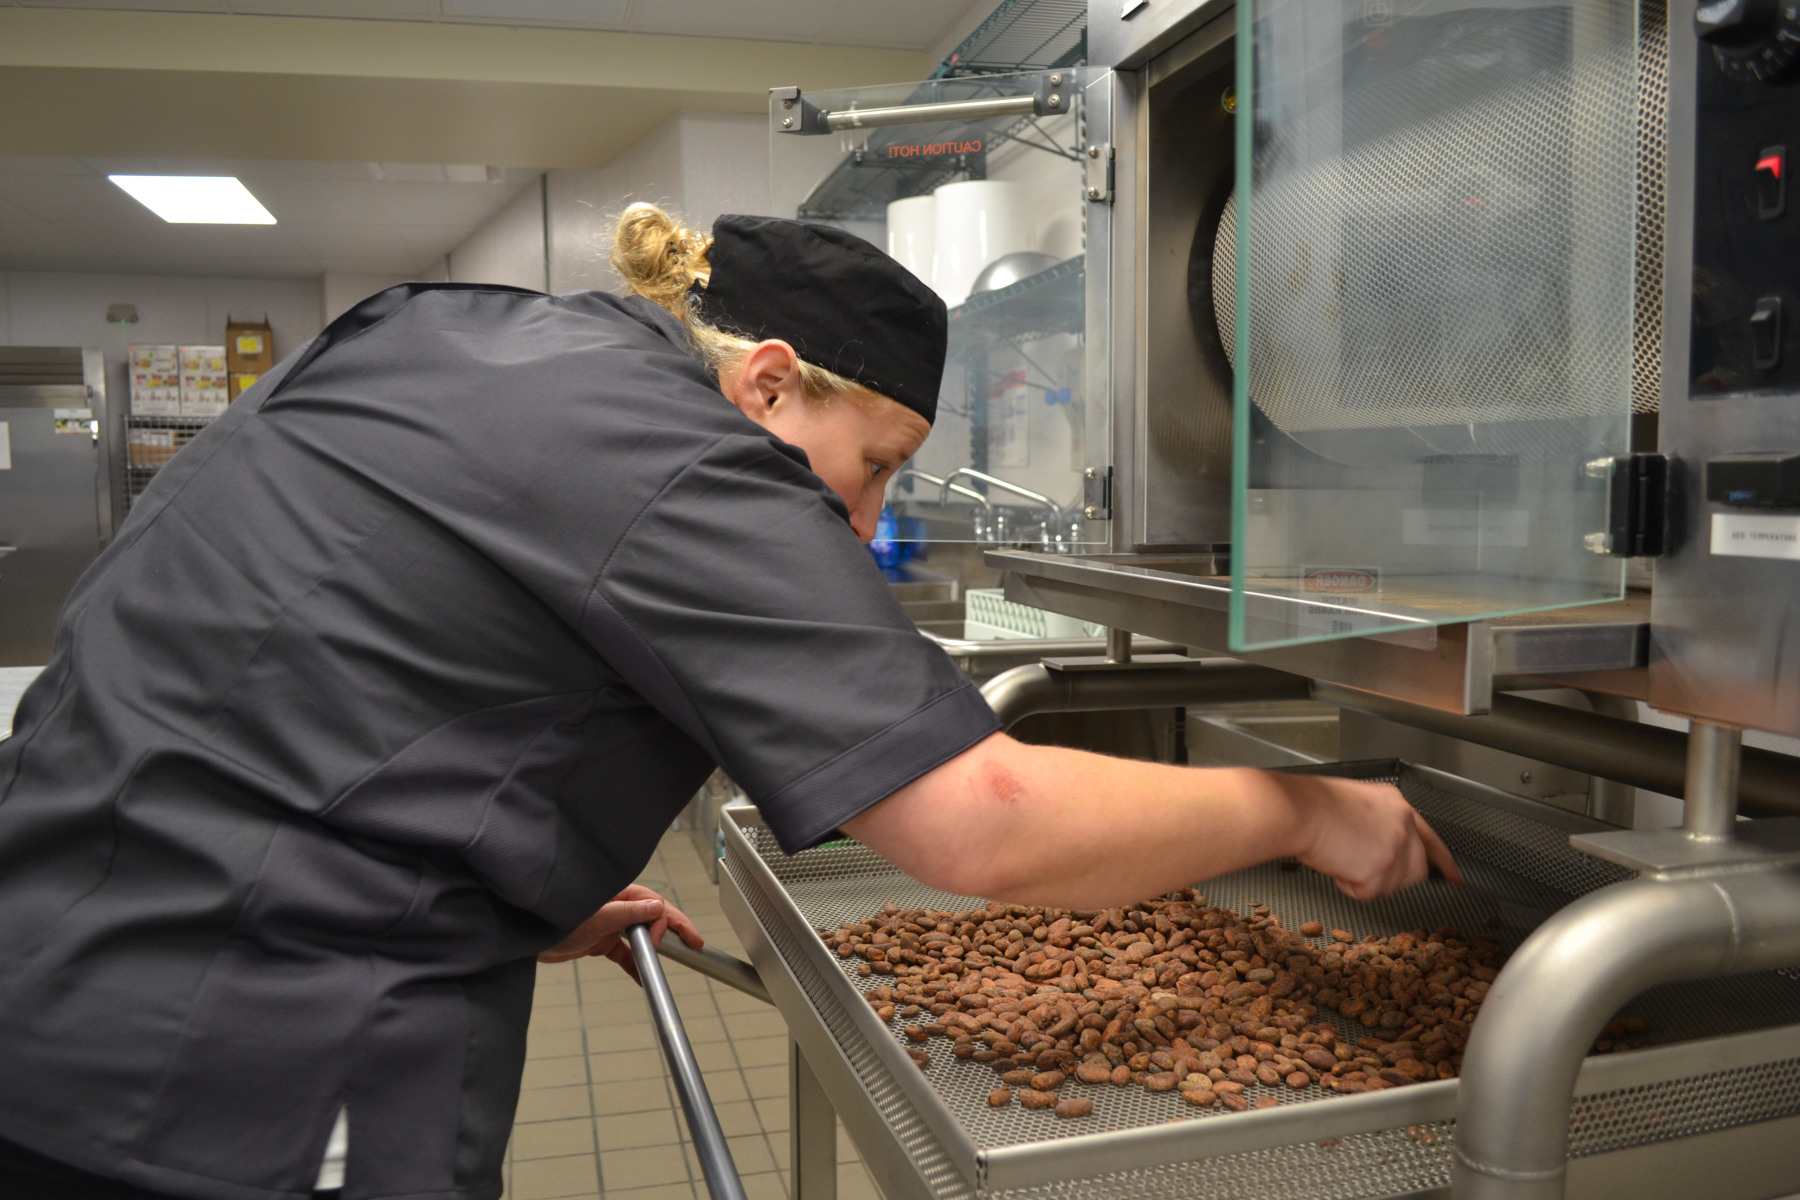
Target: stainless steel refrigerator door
<point>50,518</point>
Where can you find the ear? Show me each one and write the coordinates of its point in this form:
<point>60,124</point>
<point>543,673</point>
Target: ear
<point>768,380</point>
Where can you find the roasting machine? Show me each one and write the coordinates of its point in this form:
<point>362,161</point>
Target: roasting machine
<point>1409,355</point>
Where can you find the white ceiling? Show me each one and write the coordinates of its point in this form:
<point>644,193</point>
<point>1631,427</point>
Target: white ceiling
<point>62,214</point>
<point>912,25</point>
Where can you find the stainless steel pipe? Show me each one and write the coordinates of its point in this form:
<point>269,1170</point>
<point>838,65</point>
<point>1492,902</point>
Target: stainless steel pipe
<point>732,972</point>
<point>918,114</point>
<point>1035,688</point>
<point>1563,985</point>
<point>1714,754</point>
<point>1644,756</point>
<point>703,1121</point>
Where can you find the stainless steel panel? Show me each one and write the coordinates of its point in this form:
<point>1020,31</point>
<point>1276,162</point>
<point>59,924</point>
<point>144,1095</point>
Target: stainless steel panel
<point>1724,644</point>
<point>1450,667</point>
<point>1185,136</point>
<point>1112,232</point>
<point>55,500</point>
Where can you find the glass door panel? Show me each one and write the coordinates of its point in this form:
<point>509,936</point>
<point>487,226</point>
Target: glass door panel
<point>1434,299</point>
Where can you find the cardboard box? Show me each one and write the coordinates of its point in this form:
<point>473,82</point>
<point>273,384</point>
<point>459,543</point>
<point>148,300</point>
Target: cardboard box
<point>156,380</point>
<point>155,358</point>
<point>204,390</point>
<point>202,360</point>
<point>249,352</point>
<point>150,447</point>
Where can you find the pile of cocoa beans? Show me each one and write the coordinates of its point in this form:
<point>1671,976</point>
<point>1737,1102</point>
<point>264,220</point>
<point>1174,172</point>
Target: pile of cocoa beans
<point>1175,995</point>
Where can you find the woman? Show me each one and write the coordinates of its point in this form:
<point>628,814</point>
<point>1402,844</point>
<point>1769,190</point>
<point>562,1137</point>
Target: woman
<point>399,671</point>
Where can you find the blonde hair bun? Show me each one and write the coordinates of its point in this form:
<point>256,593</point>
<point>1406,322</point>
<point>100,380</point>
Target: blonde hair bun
<point>658,257</point>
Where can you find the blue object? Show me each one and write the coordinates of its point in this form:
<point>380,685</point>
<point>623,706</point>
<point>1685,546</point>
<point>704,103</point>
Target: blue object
<point>886,546</point>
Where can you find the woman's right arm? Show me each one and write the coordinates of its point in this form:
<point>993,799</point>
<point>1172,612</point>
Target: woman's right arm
<point>1065,828</point>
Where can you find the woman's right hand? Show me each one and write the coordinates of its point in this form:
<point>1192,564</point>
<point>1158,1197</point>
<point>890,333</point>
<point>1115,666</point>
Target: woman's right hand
<point>1365,835</point>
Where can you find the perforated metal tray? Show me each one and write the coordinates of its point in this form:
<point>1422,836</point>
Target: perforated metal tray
<point>1728,1052</point>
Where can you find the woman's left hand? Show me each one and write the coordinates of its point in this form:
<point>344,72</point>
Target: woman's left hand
<point>603,934</point>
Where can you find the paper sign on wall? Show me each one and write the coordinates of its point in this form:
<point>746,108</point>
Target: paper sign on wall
<point>5,446</point>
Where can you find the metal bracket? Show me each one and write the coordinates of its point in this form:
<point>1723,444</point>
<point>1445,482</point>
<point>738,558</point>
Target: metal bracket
<point>1055,93</point>
<point>796,114</point>
<point>1496,651</point>
<point>1770,842</point>
<point>1643,502</point>
<point>1099,160</point>
<point>1138,662</point>
<point>1096,493</point>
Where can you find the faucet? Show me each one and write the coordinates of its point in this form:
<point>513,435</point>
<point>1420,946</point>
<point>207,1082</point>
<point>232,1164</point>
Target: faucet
<point>945,487</point>
<point>993,481</point>
<point>1707,903</point>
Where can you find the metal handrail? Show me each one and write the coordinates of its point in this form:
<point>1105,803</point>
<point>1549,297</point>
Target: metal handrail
<point>710,1147</point>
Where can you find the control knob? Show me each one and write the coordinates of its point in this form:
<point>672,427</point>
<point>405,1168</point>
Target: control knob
<point>1753,41</point>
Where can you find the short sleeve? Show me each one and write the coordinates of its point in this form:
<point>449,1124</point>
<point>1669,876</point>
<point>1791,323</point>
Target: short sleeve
<point>741,606</point>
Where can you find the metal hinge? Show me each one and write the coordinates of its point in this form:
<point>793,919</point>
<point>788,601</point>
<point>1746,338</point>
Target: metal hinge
<point>1099,160</point>
<point>1096,493</point>
<point>796,113</point>
<point>1643,502</point>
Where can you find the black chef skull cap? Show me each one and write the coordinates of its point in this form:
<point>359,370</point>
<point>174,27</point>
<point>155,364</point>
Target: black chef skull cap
<point>837,300</point>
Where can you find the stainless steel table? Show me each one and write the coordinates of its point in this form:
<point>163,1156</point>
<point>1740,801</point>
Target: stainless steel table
<point>1712,1112</point>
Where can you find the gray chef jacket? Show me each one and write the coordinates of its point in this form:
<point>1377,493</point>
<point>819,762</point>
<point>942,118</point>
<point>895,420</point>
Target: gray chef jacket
<point>393,677</point>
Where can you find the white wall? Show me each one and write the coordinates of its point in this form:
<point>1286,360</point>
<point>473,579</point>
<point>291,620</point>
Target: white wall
<point>45,308</point>
<point>509,249</point>
<point>698,165</point>
<point>343,290</point>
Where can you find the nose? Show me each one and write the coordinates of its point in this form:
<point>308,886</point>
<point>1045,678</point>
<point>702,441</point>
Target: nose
<point>865,518</point>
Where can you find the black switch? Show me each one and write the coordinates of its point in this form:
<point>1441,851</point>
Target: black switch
<point>1755,480</point>
<point>1765,333</point>
<point>1771,182</point>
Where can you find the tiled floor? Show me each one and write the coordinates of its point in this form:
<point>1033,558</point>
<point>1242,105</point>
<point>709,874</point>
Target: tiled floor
<point>598,1116</point>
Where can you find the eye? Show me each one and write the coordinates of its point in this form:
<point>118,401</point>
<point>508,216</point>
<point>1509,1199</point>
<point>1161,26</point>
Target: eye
<point>875,470</point>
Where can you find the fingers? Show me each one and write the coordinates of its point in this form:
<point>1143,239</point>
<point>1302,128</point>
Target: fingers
<point>1438,852</point>
<point>683,926</point>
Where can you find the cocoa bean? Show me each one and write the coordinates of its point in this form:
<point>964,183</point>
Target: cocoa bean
<point>1094,1072</point>
<point>1000,1097</point>
<point>1074,1106</point>
<point>1031,1098</point>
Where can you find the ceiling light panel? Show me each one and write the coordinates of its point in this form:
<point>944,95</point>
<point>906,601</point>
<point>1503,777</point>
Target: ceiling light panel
<point>196,199</point>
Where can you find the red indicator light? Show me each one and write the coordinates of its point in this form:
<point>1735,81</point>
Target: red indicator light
<point>1771,164</point>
